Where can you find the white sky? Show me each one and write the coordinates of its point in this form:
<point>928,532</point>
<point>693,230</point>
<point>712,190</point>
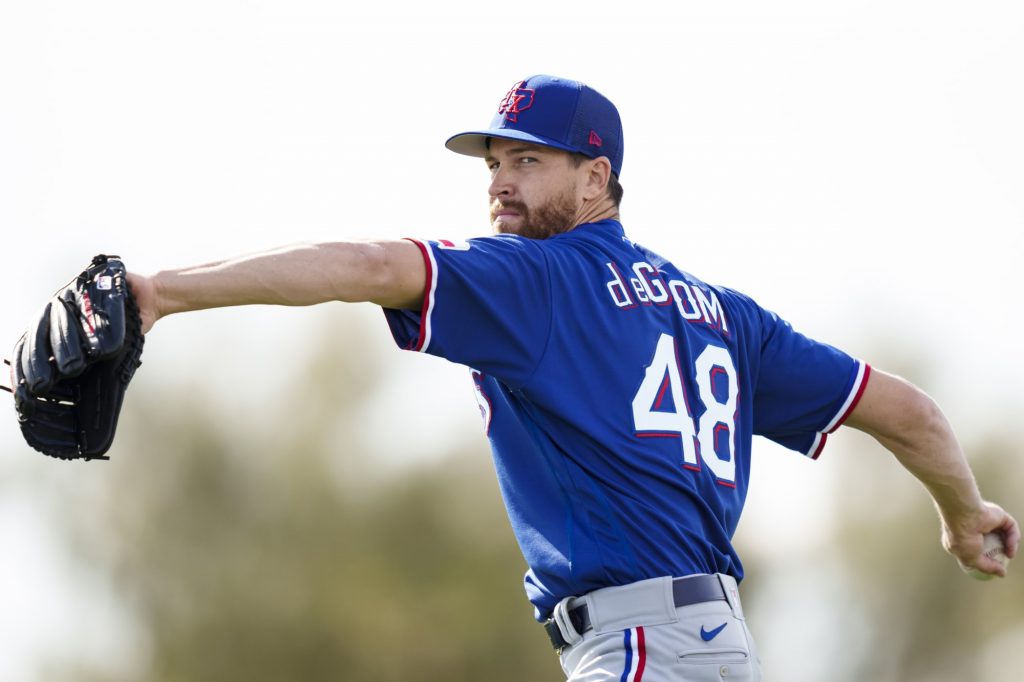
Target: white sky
<point>855,166</point>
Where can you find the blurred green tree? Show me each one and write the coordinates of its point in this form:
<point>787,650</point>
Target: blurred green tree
<point>277,549</point>
<point>245,555</point>
<point>930,622</point>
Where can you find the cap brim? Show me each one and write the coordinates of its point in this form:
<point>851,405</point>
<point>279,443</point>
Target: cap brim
<point>474,143</point>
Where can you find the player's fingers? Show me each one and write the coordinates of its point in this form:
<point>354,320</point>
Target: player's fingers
<point>1003,524</point>
<point>1011,536</point>
<point>991,566</point>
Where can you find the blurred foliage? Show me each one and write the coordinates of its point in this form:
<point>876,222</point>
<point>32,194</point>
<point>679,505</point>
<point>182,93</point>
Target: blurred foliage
<point>275,548</point>
<point>926,619</point>
<point>246,552</point>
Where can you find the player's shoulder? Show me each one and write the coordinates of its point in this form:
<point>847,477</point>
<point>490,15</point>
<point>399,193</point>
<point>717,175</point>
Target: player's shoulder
<point>587,244</point>
<point>596,242</point>
<point>486,249</point>
<point>736,302</point>
<point>672,271</point>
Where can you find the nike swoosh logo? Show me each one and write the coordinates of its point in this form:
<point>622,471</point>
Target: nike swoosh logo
<point>707,635</point>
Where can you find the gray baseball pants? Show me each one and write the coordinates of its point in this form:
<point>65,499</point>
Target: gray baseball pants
<point>637,634</point>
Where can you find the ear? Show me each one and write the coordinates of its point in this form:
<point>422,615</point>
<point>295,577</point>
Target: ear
<point>595,182</point>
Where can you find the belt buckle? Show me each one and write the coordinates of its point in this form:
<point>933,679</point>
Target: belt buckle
<point>561,620</point>
<point>563,647</point>
<point>558,642</point>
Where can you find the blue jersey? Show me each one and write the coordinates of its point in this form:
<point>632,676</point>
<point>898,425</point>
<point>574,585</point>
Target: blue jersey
<point>620,396</point>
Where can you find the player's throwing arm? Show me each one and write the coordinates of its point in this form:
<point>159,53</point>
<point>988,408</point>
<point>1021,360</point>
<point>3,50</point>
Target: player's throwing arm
<point>910,425</point>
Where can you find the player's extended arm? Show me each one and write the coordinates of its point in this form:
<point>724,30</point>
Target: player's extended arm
<point>911,426</point>
<point>389,273</point>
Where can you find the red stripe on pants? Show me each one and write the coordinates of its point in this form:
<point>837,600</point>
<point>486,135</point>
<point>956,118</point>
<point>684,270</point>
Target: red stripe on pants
<point>641,652</point>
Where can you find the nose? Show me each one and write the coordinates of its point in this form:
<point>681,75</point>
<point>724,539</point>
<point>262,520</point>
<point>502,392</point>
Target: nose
<point>501,184</point>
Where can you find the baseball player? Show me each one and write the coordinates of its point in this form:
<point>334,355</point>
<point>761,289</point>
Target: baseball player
<point>620,393</point>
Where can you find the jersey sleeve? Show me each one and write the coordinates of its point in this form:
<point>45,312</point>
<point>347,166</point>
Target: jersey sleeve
<point>805,389</point>
<point>487,305</point>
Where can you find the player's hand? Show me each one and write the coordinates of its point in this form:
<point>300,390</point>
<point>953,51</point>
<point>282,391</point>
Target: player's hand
<point>144,291</point>
<point>964,539</point>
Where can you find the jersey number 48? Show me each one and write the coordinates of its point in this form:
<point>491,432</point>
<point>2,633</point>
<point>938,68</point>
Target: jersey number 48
<point>662,409</point>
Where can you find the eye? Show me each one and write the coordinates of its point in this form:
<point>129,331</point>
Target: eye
<point>527,160</point>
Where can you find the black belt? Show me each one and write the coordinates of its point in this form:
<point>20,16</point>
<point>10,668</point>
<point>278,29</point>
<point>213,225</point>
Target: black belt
<point>692,589</point>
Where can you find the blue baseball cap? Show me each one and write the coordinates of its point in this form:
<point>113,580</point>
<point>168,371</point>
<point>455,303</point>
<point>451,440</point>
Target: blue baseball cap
<point>553,112</point>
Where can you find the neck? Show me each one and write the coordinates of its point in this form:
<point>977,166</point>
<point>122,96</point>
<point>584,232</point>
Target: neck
<point>596,211</point>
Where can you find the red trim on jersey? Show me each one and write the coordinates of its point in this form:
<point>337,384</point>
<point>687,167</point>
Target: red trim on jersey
<point>425,309</point>
<point>661,391</point>
<point>856,398</point>
<point>846,413</point>
<point>821,446</point>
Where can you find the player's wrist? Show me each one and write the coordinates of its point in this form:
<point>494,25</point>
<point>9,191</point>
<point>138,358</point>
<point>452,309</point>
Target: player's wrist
<point>148,297</point>
<point>956,494</point>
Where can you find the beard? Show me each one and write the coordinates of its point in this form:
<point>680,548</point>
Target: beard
<point>555,216</point>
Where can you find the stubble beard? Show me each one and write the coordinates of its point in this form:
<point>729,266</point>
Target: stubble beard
<point>556,216</point>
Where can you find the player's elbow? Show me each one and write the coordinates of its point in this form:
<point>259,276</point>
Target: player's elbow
<point>399,275</point>
<point>371,273</point>
<point>894,409</point>
<point>919,418</point>
<point>391,274</point>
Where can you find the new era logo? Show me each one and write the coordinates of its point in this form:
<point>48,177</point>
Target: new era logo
<point>595,139</point>
<point>518,100</point>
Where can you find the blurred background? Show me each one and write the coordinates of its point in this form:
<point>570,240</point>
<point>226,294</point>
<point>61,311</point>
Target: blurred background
<point>291,497</point>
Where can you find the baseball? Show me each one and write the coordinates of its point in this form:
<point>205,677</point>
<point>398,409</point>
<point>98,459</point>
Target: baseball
<point>993,549</point>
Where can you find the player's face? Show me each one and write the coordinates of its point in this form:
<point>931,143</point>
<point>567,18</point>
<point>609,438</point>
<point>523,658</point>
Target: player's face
<point>533,189</point>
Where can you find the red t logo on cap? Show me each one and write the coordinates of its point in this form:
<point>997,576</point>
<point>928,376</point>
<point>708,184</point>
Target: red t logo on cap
<point>595,139</point>
<point>518,100</point>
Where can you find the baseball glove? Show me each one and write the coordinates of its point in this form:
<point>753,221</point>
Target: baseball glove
<point>71,369</point>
